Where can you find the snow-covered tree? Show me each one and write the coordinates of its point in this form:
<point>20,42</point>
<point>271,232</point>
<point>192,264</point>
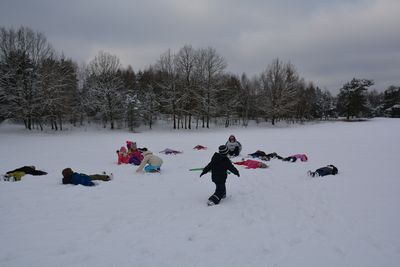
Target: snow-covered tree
<point>130,93</point>
<point>59,86</point>
<point>391,101</point>
<point>352,97</point>
<point>104,85</point>
<point>149,96</point>
<point>22,53</point>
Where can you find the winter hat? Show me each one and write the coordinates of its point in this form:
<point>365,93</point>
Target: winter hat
<point>130,145</point>
<point>67,172</point>
<point>223,149</point>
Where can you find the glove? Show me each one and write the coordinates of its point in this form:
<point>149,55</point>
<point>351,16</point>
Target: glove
<point>238,175</point>
<point>201,174</point>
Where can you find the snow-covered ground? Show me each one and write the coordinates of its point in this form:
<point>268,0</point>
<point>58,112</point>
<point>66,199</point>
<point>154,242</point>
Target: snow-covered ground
<point>272,217</point>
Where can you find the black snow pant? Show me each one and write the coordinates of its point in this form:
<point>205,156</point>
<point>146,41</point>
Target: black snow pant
<point>291,159</point>
<point>234,152</point>
<point>220,192</point>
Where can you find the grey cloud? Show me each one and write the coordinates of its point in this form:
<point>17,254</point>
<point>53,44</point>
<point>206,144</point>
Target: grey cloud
<point>328,41</point>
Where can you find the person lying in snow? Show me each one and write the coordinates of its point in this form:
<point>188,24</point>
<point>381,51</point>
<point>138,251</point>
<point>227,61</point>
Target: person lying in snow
<point>234,146</point>
<point>293,158</point>
<point>330,169</point>
<point>200,147</point>
<point>153,162</point>
<point>71,177</point>
<point>17,174</point>
<point>252,164</point>
<point>169,151</point>
<point>219,165</point>
<point>263,156</point>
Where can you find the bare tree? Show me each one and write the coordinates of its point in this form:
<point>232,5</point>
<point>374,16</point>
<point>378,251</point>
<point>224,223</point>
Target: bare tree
<point>210,67</point>
<point>279,83</point>
<point>169,80</point>
<point>189,98</point>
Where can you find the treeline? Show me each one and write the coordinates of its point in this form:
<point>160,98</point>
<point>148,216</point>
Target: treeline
<point>189,89</point>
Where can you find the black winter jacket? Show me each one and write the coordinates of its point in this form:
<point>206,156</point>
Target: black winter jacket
<point>218,166</point>
<point>28,170</point>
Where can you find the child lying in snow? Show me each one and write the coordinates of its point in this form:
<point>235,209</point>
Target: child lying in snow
<point>252,164</point>
<point>169,151</point>
<point>71,177</point>
<point>200,147</point>
<point>263,156</point>
<point>330,169</point>
<point>293,158</point>
<point>17,174</point>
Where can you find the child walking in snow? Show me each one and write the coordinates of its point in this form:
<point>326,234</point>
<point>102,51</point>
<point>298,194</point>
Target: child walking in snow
<point>219,165</point>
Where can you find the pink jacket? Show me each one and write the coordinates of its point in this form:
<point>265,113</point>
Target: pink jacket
<point>302,157</point>
<point>123,157</point>
<point>250,164</point>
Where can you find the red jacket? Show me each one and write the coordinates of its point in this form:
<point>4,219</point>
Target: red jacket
<point>250,164</point>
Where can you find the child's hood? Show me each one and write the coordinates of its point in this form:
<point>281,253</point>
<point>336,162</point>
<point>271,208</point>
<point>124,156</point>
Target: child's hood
<point>217,157</point>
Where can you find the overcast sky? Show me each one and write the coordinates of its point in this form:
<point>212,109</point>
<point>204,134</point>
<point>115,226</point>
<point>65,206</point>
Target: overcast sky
<point>329,41</point>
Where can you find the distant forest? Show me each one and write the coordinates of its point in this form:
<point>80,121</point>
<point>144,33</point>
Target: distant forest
<point>190,89</point>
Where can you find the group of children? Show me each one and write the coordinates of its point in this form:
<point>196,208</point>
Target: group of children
<point>220,164</point>
<point>141,157</point>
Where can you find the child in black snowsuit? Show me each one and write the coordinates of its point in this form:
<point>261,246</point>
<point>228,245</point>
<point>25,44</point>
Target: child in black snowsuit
<point>17,174</point>
<point>263,156</point>
<point>219,165</point>
<point>330,169</point>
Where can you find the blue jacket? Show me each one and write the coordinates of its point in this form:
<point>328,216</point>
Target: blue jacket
<point>80,178</point>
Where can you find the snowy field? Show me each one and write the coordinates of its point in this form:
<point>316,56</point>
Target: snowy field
<point>272,217</point>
